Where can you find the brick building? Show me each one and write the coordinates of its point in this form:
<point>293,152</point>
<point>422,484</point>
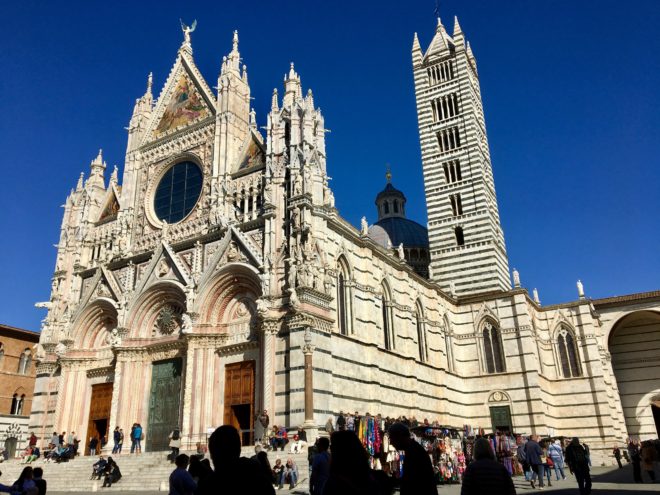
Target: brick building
<point>17,374</point>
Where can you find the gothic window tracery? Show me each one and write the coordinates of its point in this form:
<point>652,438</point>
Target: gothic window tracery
<point>343,298</point>
<point>24,362</point>
<point>568,354</point>
<point>386,305</point>
<point>421,333</point>
<point>493,354</point>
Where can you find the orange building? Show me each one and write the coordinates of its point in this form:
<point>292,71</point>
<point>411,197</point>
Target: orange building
<point>17,375</point>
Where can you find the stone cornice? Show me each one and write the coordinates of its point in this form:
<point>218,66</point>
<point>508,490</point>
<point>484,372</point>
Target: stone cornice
<point>236,348</point>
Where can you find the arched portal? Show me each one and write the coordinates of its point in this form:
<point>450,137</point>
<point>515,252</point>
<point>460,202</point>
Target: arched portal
<point>634,344</point>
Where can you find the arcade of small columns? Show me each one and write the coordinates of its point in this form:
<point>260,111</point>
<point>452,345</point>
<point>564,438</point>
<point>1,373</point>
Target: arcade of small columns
<point>227,329</point>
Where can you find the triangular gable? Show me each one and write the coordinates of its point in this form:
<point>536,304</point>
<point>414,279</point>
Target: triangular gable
<point>184,100</point>
<point>485,312</point>
<point>112,205</point>
<point>253,153</point>
<point>102,285</point>
<point>234,247</point>
<point>165,265</point>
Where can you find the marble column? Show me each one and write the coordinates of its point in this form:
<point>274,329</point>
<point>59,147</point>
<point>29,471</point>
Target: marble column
<point>269,333</point>
<point>308,350</point>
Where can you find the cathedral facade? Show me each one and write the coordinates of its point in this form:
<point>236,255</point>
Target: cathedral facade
<point>217,279</point>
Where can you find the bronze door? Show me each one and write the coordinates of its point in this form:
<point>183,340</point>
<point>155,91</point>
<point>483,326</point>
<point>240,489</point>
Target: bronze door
<point>239,399</point>
<point>164,404</point>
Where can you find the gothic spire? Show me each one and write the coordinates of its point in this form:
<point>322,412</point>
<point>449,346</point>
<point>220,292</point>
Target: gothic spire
<point>416,51</point>
<point>273,103</point>
<point>459,37</point>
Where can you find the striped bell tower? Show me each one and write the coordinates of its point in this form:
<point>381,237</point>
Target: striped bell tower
<point>468,255</point>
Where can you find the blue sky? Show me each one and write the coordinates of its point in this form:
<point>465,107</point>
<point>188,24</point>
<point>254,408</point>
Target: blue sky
<point>570,93</point>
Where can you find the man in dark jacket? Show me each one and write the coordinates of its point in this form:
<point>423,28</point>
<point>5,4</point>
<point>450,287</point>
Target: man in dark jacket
<point>232,473</point>
<point>418,477</point>
<point>577,460</point>
<point>533,453</point>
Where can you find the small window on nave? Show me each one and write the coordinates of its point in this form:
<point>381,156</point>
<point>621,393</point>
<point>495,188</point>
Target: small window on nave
<point>493,354</point>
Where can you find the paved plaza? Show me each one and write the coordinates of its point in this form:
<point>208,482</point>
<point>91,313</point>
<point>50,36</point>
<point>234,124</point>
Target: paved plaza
<point>607,481</point>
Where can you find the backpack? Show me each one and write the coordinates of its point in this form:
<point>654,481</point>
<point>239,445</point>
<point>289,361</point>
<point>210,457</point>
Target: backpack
<point>579,455</point>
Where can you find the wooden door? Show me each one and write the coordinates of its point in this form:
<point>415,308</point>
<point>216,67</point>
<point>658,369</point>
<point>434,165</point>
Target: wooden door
<point>239,398</point>
<point>164,404</point>
<point>99,413</point>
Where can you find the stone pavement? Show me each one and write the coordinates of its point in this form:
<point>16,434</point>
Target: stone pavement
<point>607,481</point>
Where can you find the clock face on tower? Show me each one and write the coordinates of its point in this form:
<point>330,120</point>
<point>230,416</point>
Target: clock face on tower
<point>177,192</point>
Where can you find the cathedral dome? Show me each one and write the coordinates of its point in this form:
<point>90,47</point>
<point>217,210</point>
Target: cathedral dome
<point>393,228</point>
<point>398,230</point>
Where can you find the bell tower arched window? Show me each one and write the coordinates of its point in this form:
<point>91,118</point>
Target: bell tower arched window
<point>493,355</point>
<point>568,354</point>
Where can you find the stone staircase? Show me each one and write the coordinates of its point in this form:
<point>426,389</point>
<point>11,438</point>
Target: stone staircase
<point>149,471</point>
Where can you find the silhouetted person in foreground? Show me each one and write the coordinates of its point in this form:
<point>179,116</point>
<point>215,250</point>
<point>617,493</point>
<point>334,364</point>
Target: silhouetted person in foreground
<point>418,477</point>
<point>349,467</point>
<point>42,486</point>
<point>181,481</point>
<point>577,460</point>
<point>232,473</point>
<point>485,475</point>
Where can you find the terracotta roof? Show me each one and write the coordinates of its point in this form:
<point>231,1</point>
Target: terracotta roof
<point>19,333</point>
<point>628,298</point>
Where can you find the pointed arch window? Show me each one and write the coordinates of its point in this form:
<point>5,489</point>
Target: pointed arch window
<point>14,404</point>
<point>493,355</point>
<point>343,298</point>
<point>568,354</point>
<point>388,334</point>
<point>421,334</point>
<point>24,362</point>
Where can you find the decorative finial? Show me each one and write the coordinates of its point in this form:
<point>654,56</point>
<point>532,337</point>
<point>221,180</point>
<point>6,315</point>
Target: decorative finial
<point>235,41</point>
<point>388,174</point>
<point>79,186</point>
<point>150,81</point>
<point>535,294</point>
<point>580,289</point>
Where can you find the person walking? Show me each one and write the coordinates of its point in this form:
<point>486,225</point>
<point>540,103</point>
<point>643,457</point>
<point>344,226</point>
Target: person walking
<point>557,455</point>
<point>636,460</point>
<point>341,421</point>
<point>115,439</point>
<point>120,445</point>
<point>485,475</point>
<point>533,453</point>
<point>418,477</point>
<point>39,481</point>
<point>232,473</point>
<point>616,452</point>
<point>320,471</point>
<point>261,427</point>
<point>25,483</point>
<point>175,444</point>
<point>349,472</point>
<point>181,481</point>
<point>576,458</point>
<point>648,455</point>
<point>137,435</point>
<point>93,444</point>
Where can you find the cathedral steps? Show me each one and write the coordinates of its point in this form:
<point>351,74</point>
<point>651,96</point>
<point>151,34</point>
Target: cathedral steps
<point>145,472</point>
